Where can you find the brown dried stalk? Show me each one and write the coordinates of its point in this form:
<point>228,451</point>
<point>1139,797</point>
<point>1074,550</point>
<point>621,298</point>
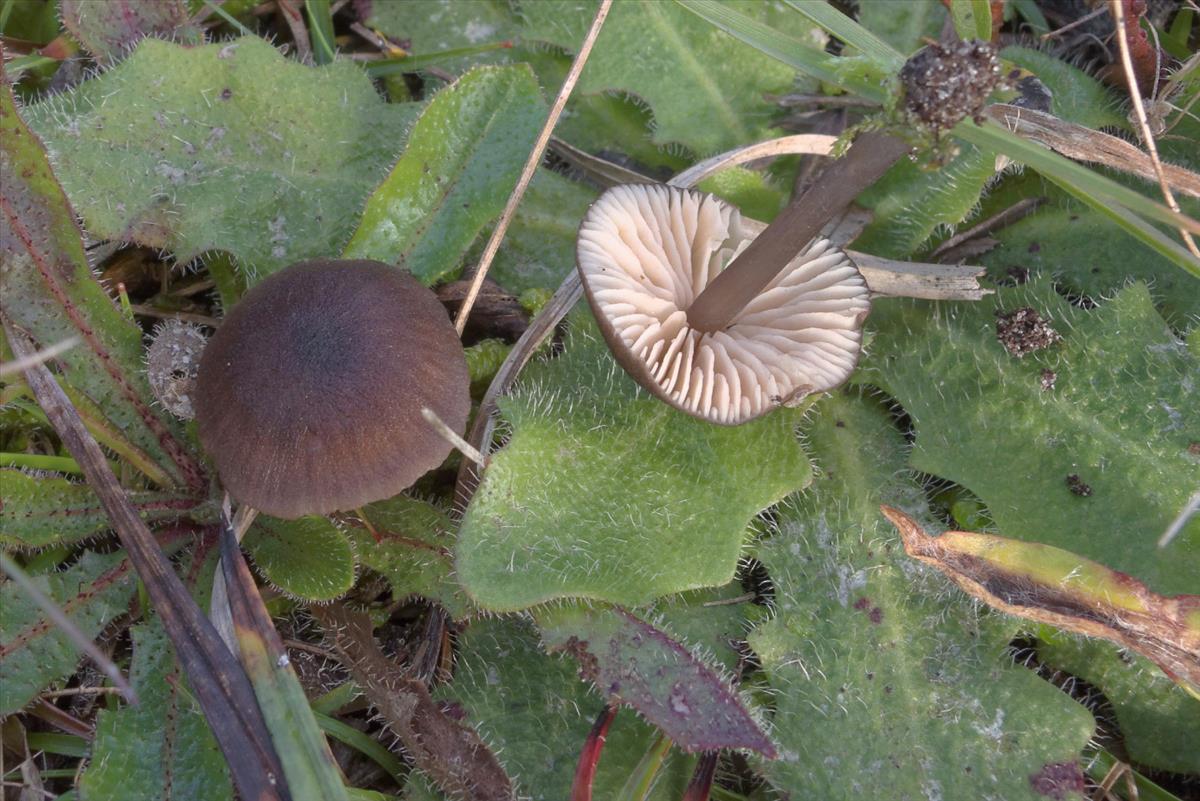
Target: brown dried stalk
<point>1049,585</point>
<point>450,754</point>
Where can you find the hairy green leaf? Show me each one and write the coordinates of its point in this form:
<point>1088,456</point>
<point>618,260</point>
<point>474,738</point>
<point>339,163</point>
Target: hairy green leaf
<point>414,553</point>
<point>705,91</point>
<point>49,292</point>
<point>463,159</point>
<point>161,748</point>
<point>433,26</point>
<point>110,29</point>
<point>641,664</point>
<point>886,682</point>
<point>913,200</point>
<point>536,714</point>
<point>38,512</point>
<point>1098,463</point>
<point>1088,256</point>
<point>539,248</point>
<point>1077,96</point>
<point>307,558</point>
<point>904,26</point>
<point>33,652</point>
<point>1159,722</point>
<point>148,151</point>
<point>605,492</point>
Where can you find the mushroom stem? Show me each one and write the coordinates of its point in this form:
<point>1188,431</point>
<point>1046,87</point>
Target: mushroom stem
<point>751,272</point>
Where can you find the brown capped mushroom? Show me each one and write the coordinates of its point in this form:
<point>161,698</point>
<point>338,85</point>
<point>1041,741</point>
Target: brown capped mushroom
<point>309,396</point>
<point>646,252</point>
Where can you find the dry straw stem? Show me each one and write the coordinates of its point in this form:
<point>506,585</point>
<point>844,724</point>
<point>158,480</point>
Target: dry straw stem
<point>1135,94</point>
<point>1084,144</point>
<point>531,165</point>
<point>40,357</point>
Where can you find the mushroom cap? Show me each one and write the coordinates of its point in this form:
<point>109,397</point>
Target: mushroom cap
<point>645,252</point>
<point>309,395</point>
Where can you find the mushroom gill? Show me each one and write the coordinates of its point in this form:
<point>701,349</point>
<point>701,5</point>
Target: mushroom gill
<point>645,253</point>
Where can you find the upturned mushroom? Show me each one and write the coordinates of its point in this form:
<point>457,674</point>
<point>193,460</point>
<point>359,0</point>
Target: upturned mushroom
<point>647,252</point>
<point>309,397</point>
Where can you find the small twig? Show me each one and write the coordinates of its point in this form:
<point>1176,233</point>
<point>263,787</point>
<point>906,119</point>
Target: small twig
<point>68,627</point>
<point>1084,144</point>
<point>72,691</point>
<point>1075,23</point>
<point>531,165</point>
<point>450,435</point>
<point>189,317</point>
<point>1007,217</point>
<point>315,650</point>
<point>294,18</point>
<point>829,101</point>
<point>41,357</point>
<point>23,786</point>
<point>1135,94</point>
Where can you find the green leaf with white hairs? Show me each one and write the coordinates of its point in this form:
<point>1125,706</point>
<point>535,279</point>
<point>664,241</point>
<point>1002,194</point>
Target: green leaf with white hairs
<point>415,551</point>
<point>463,159</point>
<point>33,651</point>
<point>605,492</point>
<point>160,748</point>
<point>1159,721</point>
<point>1088,256</point>
<point>534,711</point>
<point>43,511</point>
<point>886,681</point>
<point>705,92</point>
<point>308,558</point>
<point>148,151</point>
<point>1121,414</point>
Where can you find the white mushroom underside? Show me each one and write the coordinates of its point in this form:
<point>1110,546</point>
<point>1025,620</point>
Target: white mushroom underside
<point>646,252</point>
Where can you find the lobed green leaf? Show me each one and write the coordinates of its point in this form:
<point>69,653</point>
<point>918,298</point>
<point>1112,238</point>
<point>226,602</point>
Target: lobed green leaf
<point>43,511</point>
<point>148,151</point>
<point>605,492</point>
<point>884,681</point>
<point>161,748</point>
<point>1120,416</point>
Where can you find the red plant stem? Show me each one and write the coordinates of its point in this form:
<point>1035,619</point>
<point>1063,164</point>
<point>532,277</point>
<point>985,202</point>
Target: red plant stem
<point>700,786</point>
<point>589,757</point>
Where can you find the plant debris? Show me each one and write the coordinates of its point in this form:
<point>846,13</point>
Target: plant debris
<point>1023,331</point>
<point>1078,486</point>
<point>944,84</point>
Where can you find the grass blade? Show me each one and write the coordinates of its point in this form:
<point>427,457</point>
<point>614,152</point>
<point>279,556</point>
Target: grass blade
<point>972,19</point>
<point>850,32</point>
<point>307,761</point>
<point>790,51</point>
<point>320,27</point>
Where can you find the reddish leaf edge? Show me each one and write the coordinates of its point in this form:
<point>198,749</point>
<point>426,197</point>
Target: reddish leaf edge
<point>189,469</point>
